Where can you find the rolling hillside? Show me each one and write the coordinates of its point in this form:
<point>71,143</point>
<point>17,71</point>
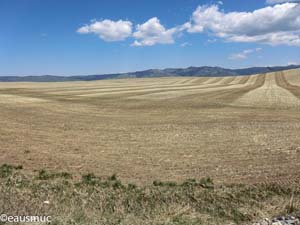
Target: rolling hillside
<point>204,71</point>
<point>168,150</point>
<point>160,128</point>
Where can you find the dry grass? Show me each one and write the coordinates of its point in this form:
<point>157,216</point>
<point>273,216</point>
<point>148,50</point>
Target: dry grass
<point>106,200</point>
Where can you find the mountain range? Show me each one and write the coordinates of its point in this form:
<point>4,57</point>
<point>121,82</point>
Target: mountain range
<point>204,71</point>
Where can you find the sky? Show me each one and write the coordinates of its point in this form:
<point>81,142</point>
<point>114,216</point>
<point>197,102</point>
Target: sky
<point>65,37</point>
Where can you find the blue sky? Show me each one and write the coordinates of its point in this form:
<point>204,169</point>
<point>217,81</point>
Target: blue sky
<point>64,37</point>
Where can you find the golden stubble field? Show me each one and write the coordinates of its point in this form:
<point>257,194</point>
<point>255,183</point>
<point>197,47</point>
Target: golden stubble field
<point>233,129</point>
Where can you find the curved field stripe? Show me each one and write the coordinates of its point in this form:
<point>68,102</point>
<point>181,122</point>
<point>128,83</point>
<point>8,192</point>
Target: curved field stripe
<point>212,80</point>
<point>219,81</point>
<point>270,95</point>
<point>190,81</point>
<point>282,82</point>
<point>245,79</point>
<point>240,80</point>
<point>228,80</point>
<point>155,89</point>
<point>102,84</point>
<point>175,82</point>
<point>137,89</point>
<point>13,99</point>
<point>254,79</point>
<point>182,80</point>
<point>215,81</point>
<point>200,80</point>
<point>85,90</point>
<point>236,80</point>
<point>124,86</point>
<point>292,76</point>
<point>101,91</point>
<point>208,88</point>
<point>249,80</point>
<point>229,95</point>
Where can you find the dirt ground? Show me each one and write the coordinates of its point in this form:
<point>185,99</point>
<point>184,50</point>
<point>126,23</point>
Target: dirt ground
<point>232,129</point>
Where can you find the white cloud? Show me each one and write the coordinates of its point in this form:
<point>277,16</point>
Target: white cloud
<point>280,1</point>
<point>274,25</point>
<point>152,32</point>
<point>108,30</point>
<point>185,44</point>
<point>244,54</point>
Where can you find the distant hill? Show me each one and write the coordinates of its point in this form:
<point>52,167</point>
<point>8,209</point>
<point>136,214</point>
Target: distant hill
<point>204,71</point>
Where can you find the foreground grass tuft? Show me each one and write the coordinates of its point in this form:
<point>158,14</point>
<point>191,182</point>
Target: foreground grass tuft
<point>106,200</point>
<point>45,175</point>
<point>7,170</point>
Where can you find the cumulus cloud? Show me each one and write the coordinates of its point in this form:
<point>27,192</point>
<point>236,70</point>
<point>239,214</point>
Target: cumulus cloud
<point>277,24</point>
<point>108,30</point>
<point>244,54</point>
<point>153,32</point>
<point>280,1</point>
<point>274,25</point>
<point>149,33</point>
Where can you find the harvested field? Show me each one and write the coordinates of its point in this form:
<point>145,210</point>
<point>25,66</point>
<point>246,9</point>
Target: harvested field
<point>270,95</point>
<point>293,77</point>
<point>232,129</point>
<point>15,99</point>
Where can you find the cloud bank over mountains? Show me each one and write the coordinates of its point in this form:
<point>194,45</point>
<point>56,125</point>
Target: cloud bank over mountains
<point>275,24</point>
